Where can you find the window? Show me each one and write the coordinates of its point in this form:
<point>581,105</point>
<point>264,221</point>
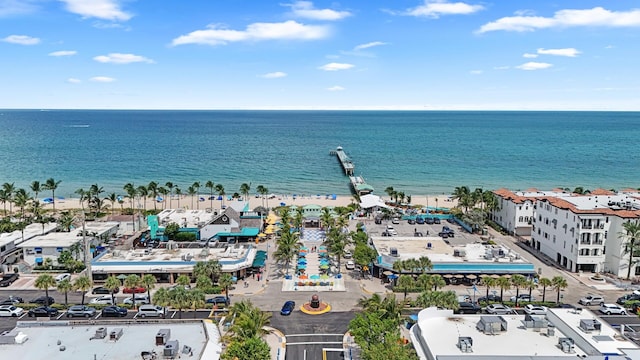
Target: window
<point>637,270</point>
<point>3,248</point>
<point>37,250</point>
<point>520,219</point>
<point>594,252</point>
<point>584,252</point>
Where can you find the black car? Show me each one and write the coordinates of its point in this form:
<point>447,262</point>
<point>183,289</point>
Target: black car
<point>42,300</point>
<point>114,311</point>
<point>8,279</point>
<point>12,300</point>
<point>436,220</point>
<point>419,220</point>
<point>429,220</point>
<point>411,221</point>
<point>103,290</point>
<point>490,298</point>
<point>219,300</point>
<point>43,311</point>
<point>629,297</point>
<point>468,308</point>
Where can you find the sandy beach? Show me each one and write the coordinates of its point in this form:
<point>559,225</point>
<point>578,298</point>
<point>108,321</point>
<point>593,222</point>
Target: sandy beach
<point>189,202</point>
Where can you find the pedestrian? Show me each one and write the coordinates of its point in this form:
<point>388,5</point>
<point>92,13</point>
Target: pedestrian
<point>253,275</point>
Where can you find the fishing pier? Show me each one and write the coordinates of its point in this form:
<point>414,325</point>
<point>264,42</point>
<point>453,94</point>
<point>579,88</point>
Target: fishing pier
<point>358,185</point>
<point>345,161</point>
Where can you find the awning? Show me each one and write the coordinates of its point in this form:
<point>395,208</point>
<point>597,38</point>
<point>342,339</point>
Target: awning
<point>258,262</point>
<point>387,273</point>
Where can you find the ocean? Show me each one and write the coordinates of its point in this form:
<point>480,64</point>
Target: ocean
<point>416,152</point>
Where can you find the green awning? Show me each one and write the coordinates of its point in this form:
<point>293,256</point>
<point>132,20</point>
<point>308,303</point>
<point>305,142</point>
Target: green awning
<point>258,262</point>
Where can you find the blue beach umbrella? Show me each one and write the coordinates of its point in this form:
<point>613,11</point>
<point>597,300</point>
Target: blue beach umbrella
<point>302,266</point>
<point>302,254</point>
<point>302,261</point>
<point>314,277</point>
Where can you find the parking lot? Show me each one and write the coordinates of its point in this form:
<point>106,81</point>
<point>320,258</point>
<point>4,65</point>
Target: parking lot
<point>404,229</point>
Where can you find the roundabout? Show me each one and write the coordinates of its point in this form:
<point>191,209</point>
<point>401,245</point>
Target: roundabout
<point>315,307</point>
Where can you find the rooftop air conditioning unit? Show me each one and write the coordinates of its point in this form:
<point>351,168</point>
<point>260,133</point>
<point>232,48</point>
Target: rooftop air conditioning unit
<point>567,345</point>
<point>394,252</point>
<point>465,343</point>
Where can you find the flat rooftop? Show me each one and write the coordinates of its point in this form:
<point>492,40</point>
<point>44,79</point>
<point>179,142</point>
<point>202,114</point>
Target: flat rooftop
<point>30,231</point>
<point>185,218</point>
<point>439,251</point>
<point>42,343</point>
<point>66,239</point>
<point>230,256</point>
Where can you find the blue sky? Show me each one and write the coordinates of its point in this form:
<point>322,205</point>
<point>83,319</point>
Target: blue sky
<point>374,54</point>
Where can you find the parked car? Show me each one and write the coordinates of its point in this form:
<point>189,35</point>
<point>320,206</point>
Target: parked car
<point>429,220</point>
<point>612,309</point>
<point>629,297</point>
<point>104,300</point>
<point>499,309</point>
<point>350,265</point>
<point>395,220</point>
<point>140,299</point>
<point>219,300</point>
<point>8,279</point>
<point>468,308</point>
<point>411,221</point>
<point>11,300</point>
<point>436,220</point>
<point>114,311</point>
<point>81,311</point>
<point>104,291</point>
<point>42,300</point>
<point>150,310</point>
<point>134,290</point>
<point>419,220</point>
<point>535,309</point>
<point>63,276</point>
<point>288,307</point>
<point>391,230</point>
<point>43,311</point>
<point>490,298</point>
<point>591,300</point>
<point>523,298</point>
<point>11,311</point>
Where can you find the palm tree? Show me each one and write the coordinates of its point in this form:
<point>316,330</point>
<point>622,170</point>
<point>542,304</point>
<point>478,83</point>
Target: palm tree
<point>170,186</point>
<point>9,190</point>
<point>489,282</point>
<point>545,283</point>
<point>263,191</point>
<point>438,282</point>
<point>162,297</point>
<point>132,281</point>
<point>443,299</point>
<point>184,281</point>
<point>112,283</point>
<point>390,191</point>
<point>424,282</point>
<point>210,185</point>
<point>148,281</point>
<point>221,193</point>
<point>559,284</point>
<point>143,192</point>
<point>82,197</point>
<point>83,283</point>
<point>225,281</point>
<point>405,283</point>
<point>210,268</point>
<point>196,186</point>
<point>518,282</point>
<point>113,199</point>
<point>52,185</point>
<point>631,234</point>
<point>192,193</point>
<point>153,191</point>
<point>179,298</point>
<point>130,189</point>
<point>65,286</point>
<point>203,282</point>
<point>287,247</point>
<point>503,283</point>
<point>36,188</point>
<point>424,264</point>
<point>371,304</point>
<point>44,282</point>
<point>164,192</point>
<point>244,190</point>
<point>5,197</point>
<point>21,199</point>
<point>178,192</point>
<point>196,300</point>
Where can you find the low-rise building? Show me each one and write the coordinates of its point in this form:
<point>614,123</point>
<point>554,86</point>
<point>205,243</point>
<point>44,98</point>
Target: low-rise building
<point>563,333</point>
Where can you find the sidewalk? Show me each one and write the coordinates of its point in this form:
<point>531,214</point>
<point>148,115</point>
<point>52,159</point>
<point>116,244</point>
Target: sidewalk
<point>374,286</point>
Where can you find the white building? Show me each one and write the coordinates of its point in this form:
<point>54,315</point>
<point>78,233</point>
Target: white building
<point>561,334</point>
<point>515,208</point>
<point>9,250</point>
<point>582,232</point>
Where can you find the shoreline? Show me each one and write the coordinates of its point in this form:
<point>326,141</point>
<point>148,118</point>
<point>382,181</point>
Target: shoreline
<point>186,201</point>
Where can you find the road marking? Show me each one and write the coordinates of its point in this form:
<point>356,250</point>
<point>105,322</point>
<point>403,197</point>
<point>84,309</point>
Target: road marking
<point>59,316</point>
<point>316,343</point>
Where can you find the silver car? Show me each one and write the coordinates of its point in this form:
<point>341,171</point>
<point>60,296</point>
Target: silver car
<point>499,309</point>
<point>81,311</point>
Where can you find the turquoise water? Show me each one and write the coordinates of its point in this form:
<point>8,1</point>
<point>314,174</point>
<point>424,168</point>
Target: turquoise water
<point>288,151</point>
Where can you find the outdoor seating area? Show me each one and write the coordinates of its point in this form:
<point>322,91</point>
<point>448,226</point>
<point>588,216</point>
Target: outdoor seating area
<point>313,272</point>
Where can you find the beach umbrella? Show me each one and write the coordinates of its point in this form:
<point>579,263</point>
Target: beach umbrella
<point>302,261</point>
<point>314,277</point>
<point>324,262</point>
<point>393,276</point>
<point>324,276</point>
<point>324,266</point>
<point>302,266</point>
<point>302,254</point>
<point>303,277</point>
<point>261,235</point>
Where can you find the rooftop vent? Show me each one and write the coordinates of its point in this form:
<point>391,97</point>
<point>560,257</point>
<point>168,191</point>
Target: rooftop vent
<point>171,349</point>
<point>535,322</point>
<point>115,334</point>
<point>101,333</point>
<point>465,344</point>
<point>163,336</point>
<point>589,325</point>
<point>492,324</point>
<point>567,345</point>
<point>394,252</point>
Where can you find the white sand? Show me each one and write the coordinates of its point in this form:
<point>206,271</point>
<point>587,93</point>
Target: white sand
<point>186,201</point>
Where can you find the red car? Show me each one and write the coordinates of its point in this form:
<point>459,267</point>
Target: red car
<point>134,290</point>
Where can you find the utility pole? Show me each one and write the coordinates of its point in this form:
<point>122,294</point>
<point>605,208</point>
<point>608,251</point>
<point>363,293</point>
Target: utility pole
<point>87,250</point>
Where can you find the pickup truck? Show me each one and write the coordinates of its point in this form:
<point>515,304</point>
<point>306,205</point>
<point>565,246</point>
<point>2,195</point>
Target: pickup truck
<point>8,279</point>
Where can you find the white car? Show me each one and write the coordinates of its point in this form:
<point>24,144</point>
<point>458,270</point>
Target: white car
<point>535,309</point>
<point>104,300</point>
<point>63,276</point>
<point>391,231</point>
<point>499,309</point>
<point>11,311</point>
<point>350,265</point>
<point>612,309</point>
<point>140,299</point>
<point>591,300</point>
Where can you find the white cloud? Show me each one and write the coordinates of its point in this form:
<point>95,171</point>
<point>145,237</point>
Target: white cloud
<point>304,9</point>
<point>597,16</point>
<point>101,9</point>
<point>368,45</point>
<point>289,30</point>
<point>21,40</point>
<point>117,58</point>
<point>436,8</point>
<point>534,66</point>
<point>336,88</point>
<point>476,72</point>
<point>63,53</point>
<point>335,66</point>
<point>569,52</point>
<point>16,7</point>
<point>274,75</point>
<point>102,79</point>
<point>74,81</point>
<point>529,55</point>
